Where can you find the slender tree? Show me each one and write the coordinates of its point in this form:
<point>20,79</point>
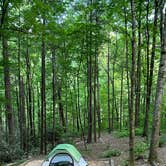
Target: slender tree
<point>131,108</point>
<point>108,93</point>
<point>138,72</point>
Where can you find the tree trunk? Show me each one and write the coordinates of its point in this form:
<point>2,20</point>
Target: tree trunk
<point>98,100</point>
<point>121,100</point>
<point>53,94</point>
<point>94,95</point>
<point>29,79</point>
<point>149,88</point>
<point>8,104</point>
<point>61,112</point>
<point>38,113</point>
<point>138,74</point>
<point>131,110</point>
<point>22,115</point>
<point>108,90</point>
<point>43,98</point>
<point>153,156</point>
<point>89,74</point>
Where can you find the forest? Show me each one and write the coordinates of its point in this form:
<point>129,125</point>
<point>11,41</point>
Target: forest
<point>91,73</point>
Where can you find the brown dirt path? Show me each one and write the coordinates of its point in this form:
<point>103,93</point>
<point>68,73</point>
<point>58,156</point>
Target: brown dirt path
<point>93,155</point>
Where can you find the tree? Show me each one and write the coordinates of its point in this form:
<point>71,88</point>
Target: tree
<point>150,77</point>
<point>131,108</point>
<point>153,156</point>
<point>6,65</point>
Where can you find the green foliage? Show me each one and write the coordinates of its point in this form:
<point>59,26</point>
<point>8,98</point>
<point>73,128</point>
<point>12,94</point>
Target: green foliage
<point>58,133</point>
<point>140,148</point>
<point>9,153</point>
<point>138,131</point>
<point>162,141</point>
<point>121,134</point>
<point>110,153</point>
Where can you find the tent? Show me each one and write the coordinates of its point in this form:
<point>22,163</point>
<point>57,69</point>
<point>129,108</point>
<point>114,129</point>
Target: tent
<point>64,155</point>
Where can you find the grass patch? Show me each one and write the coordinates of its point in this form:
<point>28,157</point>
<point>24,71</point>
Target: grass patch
<point>110,153</point>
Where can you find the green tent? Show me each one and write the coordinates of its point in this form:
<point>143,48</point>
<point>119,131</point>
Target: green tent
<point>63,148</point>
<point>62,153</point>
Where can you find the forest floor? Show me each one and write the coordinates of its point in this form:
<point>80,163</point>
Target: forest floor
<point>95,150</point>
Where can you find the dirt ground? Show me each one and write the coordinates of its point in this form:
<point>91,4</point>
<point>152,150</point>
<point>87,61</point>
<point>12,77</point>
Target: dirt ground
<point>94,151</point>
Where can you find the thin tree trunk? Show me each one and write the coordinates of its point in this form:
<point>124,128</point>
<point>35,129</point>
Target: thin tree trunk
<point>108,90</point>
<point>121,100</point>
<point>127,59</point>
<point>98,99</point>
<point>28,74</point>
<point>113,95</point>
<point>138,74</point>
<point>89,74</point>
<point>79,111</point>
<point>43,98</point>
<point>94,96</point>
<point>61,112</point>
<point>131,110</point>
<point>53,94</point>
<point>22,115</point>
<point>39,112</point>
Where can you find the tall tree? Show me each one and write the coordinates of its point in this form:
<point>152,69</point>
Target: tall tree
<point>108,93</point>
<point>150,81</point>
<point>131,108</point>
<point>138,73</point>
<point>6,65</point>
<point>29,91</point>
<point>153,156</point>
<point>89,76</point>
<point>43,96</point>
<point>53,93</point>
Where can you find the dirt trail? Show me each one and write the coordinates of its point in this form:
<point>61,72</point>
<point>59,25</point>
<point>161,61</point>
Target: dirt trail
<point>34,162</point>
<point>93,155</point>
<point>39,162</point>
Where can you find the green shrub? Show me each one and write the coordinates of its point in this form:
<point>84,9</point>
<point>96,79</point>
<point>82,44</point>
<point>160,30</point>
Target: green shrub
<point>162,141</point>
<point>9,153</point>
<point>110,153</point>
<point>138,131</point>
<point>140,148</point>
<point>121,134</point>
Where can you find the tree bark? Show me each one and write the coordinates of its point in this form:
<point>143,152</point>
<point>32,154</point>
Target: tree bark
<point>138,74</point>
<point>121,100</point>
<point>8,103</point>
<point>43,98</point>
<point>89,74</point>
<point>108,90</point>
<point>22,115</point>
<point>53,94</point>
<point>153,156</point>
<point>131,110</point>
<point>149,88</point>
<point>61,112</point>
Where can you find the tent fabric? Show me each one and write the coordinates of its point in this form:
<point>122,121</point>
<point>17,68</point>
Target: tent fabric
<point>65,148</point>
